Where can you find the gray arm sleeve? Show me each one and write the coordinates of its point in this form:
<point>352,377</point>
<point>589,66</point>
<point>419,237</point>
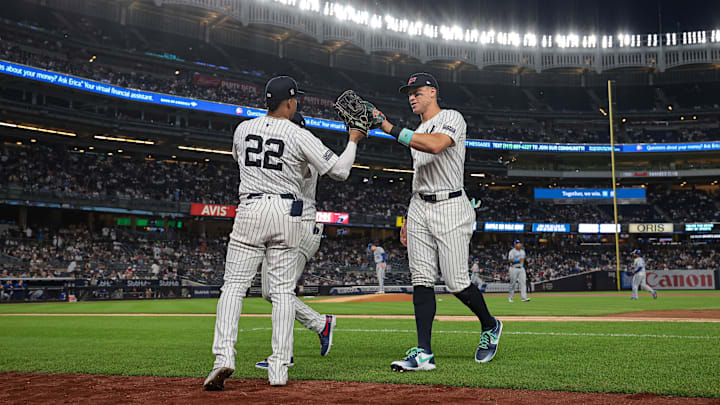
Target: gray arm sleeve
<point>341,169</point>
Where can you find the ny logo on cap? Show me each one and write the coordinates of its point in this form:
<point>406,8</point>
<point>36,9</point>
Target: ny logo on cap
<point>292,92</point>
<point>412,80</point>
<point>268,95</point>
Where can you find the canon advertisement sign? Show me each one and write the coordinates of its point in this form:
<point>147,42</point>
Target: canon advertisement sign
<point>676,279</point>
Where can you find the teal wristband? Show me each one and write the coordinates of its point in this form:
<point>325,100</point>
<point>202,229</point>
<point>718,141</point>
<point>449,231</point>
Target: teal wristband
<point>405,136</point>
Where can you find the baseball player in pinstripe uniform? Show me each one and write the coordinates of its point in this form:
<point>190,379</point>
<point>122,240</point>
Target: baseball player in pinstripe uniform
<point>273,155</point>
<point>439,221</point>
<point>380,264</point>
<point>323,325</point>
<point>516,257</point>
<point>638,273</point>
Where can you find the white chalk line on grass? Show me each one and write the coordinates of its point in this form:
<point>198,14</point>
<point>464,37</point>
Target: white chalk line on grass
<point>470,332</point>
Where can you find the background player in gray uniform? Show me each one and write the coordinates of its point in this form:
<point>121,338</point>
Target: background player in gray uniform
<point>273,155</point>
<point>439,222</point>
<point>516,257</point>
<point>323,325</point>
<point>476,273</point>
<point>380,265</point>
<point>638,272</point>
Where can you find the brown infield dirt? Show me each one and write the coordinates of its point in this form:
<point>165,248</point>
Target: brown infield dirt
<point>17,388</point>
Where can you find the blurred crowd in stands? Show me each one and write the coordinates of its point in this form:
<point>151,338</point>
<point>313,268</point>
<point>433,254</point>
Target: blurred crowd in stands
<point>121,254</point>
<point>43,170</point>
<point>58,50</point>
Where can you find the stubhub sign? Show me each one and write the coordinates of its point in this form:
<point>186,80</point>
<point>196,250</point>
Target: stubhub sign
<point>557,228</point>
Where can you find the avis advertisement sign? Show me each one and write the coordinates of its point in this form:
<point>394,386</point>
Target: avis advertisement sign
<point>675,279</point>
<point>212,210</point>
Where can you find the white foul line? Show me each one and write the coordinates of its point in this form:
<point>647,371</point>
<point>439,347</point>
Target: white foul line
<point>470,332</point>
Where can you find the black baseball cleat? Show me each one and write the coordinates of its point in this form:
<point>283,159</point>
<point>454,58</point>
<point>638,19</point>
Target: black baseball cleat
<point>489,340</point>
<point>216,380</point>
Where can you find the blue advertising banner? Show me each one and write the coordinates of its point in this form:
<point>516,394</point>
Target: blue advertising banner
<point>504,227</point>
<point>587,193</point>
<point>555,228</point>
<point>92,86</point>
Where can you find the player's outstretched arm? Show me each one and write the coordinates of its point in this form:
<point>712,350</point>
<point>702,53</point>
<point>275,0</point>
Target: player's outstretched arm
<point>429,143</point>
<point>341,169</point>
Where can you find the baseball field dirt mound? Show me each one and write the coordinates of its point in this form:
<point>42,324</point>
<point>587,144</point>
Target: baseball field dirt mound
<point>17,388</point>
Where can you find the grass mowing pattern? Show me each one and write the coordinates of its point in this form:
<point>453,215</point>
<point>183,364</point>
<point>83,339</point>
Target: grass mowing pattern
<point>180,346</point>
<point>555,304</point>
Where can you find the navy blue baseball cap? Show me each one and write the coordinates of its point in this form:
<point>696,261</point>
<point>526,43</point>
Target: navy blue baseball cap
<point>516,241</point>
<point>476,259</point>
<point>419,80</point>
<point>298,119</point>
<point>280,88</point>
<point>370,245</point>
<point>637,252</point>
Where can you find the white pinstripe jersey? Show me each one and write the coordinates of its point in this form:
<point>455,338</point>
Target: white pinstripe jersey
<point>442,172</point>
<point>273,155</point>
<point>307,194</point>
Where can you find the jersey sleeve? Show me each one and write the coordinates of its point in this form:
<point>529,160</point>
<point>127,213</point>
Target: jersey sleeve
<point>235,151</point>
<point>452,124</point>
<point>317,154</point>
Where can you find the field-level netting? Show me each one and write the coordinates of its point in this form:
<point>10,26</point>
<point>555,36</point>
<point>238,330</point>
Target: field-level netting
<point>680,359</point>
<point>558,304</point>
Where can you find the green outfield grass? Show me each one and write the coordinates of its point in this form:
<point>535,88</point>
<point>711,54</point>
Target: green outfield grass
<point>664,358</point>
<point>571,304</point>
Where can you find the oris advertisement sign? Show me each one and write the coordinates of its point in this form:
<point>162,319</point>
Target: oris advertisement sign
<point>651,228</point>
<point>676,279</point>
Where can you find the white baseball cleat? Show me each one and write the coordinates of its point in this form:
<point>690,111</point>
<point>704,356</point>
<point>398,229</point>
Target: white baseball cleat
<point>216,380</point>
<point>416,359</point>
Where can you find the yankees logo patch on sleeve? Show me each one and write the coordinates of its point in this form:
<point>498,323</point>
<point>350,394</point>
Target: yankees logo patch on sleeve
<point>448,128</point>
<point>328,154</point>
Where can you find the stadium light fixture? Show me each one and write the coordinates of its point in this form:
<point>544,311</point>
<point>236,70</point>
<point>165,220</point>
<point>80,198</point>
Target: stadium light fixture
<point>670,107</point>
<point>33,140</point>
<point>36,129</point>
<point>128,140</point>
<point>207,150</point>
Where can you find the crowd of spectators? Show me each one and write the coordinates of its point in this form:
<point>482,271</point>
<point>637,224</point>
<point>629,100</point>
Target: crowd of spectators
<point>63,173</point>
<point>58,54</point>
<point>119,254</point>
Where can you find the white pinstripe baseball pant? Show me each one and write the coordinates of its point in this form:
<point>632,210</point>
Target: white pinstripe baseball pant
<point>438,233</point>
<point>263,228</point>
<point>309,245</point>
